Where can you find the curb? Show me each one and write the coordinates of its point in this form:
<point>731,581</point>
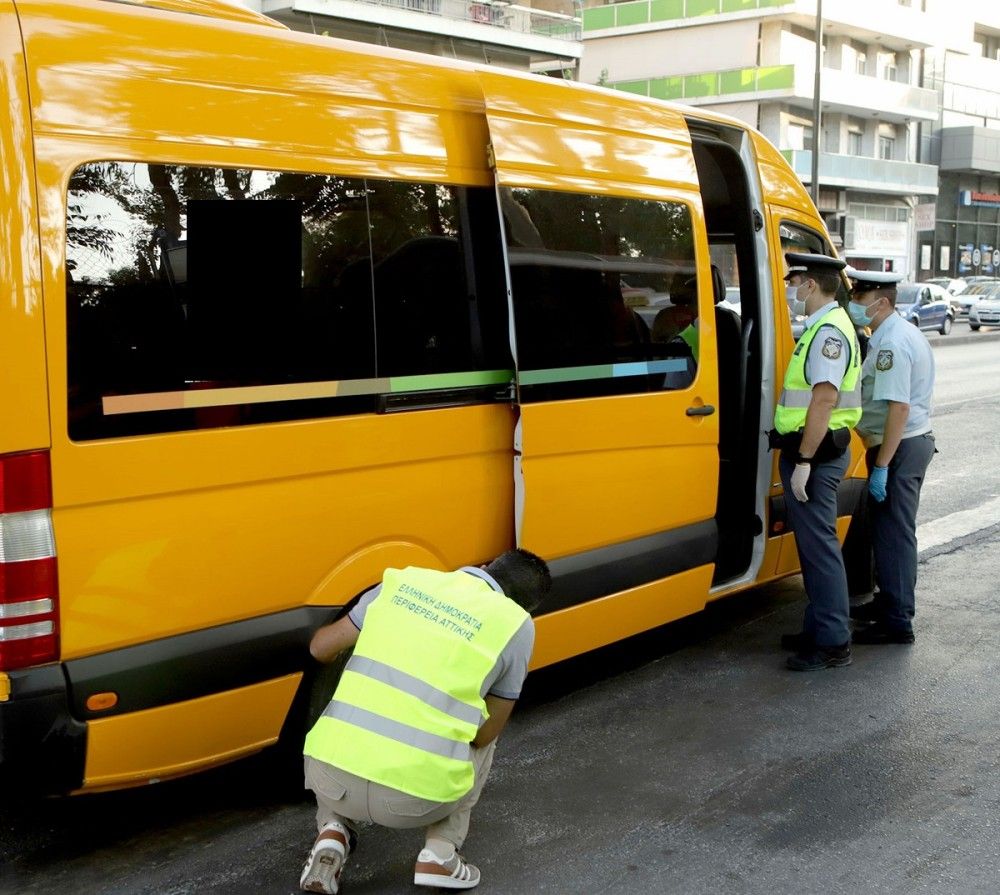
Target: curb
<point>952,339</point>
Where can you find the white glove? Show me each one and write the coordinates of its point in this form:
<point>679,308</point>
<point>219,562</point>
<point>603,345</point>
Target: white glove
<point>800,475</point>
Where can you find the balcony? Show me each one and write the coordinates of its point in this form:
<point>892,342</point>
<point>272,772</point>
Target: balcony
<point>851,94</point>
<point>970,149</point>
<point>638,13</point>
<point>496,22</point>
<point>871,174</point>
<point>882,22</point>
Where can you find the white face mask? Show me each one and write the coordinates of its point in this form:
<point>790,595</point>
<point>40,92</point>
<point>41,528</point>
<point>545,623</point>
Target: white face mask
<point>796,304</point>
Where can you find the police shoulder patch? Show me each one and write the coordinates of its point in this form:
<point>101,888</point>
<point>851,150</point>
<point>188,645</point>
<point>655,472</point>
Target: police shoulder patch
<point>832,347</point>
<point>884,360</point>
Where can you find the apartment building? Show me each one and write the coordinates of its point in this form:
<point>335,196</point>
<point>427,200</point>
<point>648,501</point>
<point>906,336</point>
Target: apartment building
<point>960,235</point>
<point>536,35</point>
<point>755,60</point>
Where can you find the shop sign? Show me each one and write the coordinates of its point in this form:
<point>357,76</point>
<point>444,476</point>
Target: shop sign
<point>924,216</point>
<point>976,199</point>
<point>880,237</point>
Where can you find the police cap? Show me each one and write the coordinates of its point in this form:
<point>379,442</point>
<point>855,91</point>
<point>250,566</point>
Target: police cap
<point>867,280</point>
<point>804,262</point>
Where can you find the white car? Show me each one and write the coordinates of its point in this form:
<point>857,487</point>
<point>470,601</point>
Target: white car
<point>985,312</point>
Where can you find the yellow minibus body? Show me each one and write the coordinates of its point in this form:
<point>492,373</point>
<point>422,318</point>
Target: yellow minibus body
<point>287,311</point>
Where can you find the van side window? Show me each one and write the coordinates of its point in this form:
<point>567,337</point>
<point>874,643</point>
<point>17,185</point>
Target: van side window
<point>203,297</point>
<point>604,293</point>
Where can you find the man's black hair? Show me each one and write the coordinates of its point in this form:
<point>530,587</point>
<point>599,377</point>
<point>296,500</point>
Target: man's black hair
<point>523,576</point>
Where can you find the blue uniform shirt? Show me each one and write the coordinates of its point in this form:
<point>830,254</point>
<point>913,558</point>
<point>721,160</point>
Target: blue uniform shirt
<point>899,367</point>
<point>828,355</point>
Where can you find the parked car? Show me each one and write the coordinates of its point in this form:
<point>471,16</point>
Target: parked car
<point>951,285</point>
<point>986,311</point>
<point>926,306</point>
<point>983,287</point>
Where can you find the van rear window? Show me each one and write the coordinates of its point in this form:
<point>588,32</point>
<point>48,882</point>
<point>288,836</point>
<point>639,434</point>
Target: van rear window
<point>202,297</point>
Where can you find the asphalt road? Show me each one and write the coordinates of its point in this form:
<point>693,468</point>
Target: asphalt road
<point>685,760</point>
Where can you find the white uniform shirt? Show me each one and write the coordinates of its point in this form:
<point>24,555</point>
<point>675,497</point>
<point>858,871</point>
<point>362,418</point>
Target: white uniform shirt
<point>829,354</point>
<point>899,367</point>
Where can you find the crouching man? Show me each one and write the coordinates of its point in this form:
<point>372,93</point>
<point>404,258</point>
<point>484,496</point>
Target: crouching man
<point>408,738</point>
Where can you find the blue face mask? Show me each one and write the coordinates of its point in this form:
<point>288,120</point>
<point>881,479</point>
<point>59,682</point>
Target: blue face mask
<point>859,314</point>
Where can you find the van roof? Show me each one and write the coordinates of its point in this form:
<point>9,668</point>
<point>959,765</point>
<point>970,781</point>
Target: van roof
<point>216,9</point>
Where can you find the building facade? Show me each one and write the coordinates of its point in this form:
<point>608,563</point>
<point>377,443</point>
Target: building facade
<point>755,60</point>
<point>536,35</point>
<point>960,235</point>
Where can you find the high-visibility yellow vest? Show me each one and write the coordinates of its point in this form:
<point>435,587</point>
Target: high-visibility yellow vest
<point>690,336</point>
<point>408,704</point>
<point>790,414</point>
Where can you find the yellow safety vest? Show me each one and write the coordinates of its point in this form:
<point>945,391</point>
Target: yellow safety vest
<point>408,704</point>
<point>690,336</point>
<point>790,414</point>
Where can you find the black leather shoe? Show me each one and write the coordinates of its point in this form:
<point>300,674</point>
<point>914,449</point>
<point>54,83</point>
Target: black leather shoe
<point>867,612</point>
<point>820,657</point>
<point>797,643</point>
<point>880,633</point>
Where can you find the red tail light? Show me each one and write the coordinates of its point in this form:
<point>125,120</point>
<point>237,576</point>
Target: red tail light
<point>29,593</point>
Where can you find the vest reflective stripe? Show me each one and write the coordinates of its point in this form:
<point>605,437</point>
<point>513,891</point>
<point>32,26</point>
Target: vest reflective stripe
<point>790,414</point>
<point>803,397</point>
<point>409,702</point>
<point>440,700</point>
<point>395,730</point>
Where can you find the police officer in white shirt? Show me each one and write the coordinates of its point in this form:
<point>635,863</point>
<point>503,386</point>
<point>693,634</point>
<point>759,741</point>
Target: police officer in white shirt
<point>896,388</point>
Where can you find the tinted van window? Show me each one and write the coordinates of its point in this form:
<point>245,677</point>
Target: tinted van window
<point>604,293</point>
<point>202,297</point>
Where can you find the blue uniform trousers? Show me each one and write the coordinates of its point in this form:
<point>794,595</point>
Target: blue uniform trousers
<point>894,530</point>
<point>815,525</point>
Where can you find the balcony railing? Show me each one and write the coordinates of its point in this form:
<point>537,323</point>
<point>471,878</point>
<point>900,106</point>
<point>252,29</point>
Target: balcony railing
<point>497,13</point>
<point>711,84</point>
<point>860,173</point>
<point>642,12</point>
<point>841,91</point>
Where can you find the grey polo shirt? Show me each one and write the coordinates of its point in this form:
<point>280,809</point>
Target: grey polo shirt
<point>507,676</point>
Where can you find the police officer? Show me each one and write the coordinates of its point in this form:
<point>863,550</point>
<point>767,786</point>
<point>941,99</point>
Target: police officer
<point>896,388</point>
<point>819,405</point>
<point>408,738</point>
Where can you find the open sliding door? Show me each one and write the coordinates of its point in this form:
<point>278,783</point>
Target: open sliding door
<point>611,298</point>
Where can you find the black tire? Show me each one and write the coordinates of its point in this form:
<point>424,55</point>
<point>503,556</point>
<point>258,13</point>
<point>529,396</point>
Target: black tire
<point>945,326</point>
<point>974,327</point>
<point>915,321</point>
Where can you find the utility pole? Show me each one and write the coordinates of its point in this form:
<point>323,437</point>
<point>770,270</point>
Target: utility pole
<point>817,113</point>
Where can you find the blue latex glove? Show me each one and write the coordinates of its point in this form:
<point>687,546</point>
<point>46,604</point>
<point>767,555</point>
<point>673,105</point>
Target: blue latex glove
<point>877,481</point>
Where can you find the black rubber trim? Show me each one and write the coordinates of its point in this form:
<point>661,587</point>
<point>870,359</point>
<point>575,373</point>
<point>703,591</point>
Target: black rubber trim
<point>42,746</point>
<point>609,570</point>
<point>848,498</point>
<point>197,664</point>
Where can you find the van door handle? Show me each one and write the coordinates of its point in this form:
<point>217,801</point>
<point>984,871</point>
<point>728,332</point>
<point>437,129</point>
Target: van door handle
<point>700,410</point>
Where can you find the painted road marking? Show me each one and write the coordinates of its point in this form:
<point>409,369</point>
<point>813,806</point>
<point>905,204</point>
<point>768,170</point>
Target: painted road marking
<point>957,525</point>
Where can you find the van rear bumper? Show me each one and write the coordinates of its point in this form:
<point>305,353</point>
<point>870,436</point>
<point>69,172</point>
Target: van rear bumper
<point>42,746</point>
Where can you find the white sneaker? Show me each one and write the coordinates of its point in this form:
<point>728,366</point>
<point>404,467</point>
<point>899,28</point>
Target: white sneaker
<point>453,873</point>
<point>326,860</point>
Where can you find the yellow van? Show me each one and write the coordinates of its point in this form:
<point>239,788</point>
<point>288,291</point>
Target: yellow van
<point>278,312</point>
